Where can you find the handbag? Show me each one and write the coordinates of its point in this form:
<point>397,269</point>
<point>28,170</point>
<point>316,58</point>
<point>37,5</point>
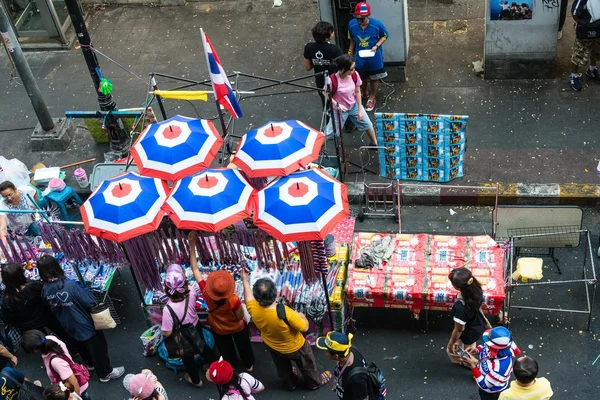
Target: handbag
<point>185,340</point>
<point>101,317</point>
<point>27,390</point>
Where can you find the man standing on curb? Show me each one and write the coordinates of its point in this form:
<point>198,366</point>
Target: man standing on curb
<point>586,50</point>
<point>366,33</point>
<point>281,331</point>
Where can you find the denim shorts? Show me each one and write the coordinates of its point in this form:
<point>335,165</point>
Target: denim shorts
<point>352,114</point>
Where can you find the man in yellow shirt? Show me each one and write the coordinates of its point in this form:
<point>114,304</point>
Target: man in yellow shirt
<point>282,336</point>
<point>527,386</point>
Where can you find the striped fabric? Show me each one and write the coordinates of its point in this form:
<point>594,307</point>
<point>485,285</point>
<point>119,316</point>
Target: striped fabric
<point>492,374</point>
<point>220,82</point>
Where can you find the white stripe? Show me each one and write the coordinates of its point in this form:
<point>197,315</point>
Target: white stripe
<point>459,321</point>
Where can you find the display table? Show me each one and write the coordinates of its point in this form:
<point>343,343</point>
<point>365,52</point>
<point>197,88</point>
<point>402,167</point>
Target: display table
<point>415,276</point>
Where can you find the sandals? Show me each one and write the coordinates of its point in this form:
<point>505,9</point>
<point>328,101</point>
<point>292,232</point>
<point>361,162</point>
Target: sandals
<point>188,380</point>
<point>325,378</point>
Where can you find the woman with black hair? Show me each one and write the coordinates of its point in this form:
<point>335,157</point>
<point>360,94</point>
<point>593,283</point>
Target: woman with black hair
<point>23,308</point>
<point>71,304</point>
<point>58,362</point>
<point>469,322</point>
<point>230,385</point>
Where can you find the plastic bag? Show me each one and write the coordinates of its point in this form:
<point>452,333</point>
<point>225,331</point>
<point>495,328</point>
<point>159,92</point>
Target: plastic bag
<point>151,339</point>
<point>14,171</point>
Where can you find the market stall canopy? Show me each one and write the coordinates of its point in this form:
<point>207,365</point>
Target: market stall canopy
<point>176,148</point>
<point>124,207</point>
<point>305,205</point>
<point>278,149</point>
<point>210,200</point>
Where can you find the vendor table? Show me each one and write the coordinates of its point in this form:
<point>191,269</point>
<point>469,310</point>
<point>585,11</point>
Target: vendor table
<point>415,276</point>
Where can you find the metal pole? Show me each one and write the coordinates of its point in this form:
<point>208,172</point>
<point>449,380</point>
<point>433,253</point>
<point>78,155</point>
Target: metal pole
<point>22,66</point>
<point>119,139</point>
<point>326,289</point>
<point>158,98</point>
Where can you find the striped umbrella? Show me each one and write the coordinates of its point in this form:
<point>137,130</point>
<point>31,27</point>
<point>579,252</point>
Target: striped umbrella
<point>124,207</point>
<point>176,148</point>
<point>278,149</point>
<point>210,200</point>
<point>305,205</point>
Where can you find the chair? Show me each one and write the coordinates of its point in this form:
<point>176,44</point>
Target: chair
<point>61,198</point>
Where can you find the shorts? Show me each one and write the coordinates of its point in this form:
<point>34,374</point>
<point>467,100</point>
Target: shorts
<point>352,114</point>
<point>373,75</point>
<point>583,50</point>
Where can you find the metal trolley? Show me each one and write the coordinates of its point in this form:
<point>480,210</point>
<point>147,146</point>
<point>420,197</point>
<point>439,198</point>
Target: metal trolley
<point>380,199</point>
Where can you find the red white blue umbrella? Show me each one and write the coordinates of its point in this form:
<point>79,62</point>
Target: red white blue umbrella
<point>278,149</point>
<point>305,205</point>
<point>210,200</point>
<point>124,207</point>
<point>176,148</point>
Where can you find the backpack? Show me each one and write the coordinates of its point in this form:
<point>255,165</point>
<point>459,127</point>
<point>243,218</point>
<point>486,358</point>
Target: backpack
<point>80,371</point>
<point>334,81</point>
<point>377,389</point>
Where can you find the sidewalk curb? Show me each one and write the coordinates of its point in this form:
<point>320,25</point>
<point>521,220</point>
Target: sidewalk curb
<point>508,193</point>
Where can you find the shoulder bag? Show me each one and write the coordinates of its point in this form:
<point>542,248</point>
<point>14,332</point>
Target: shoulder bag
<point>27,390</point>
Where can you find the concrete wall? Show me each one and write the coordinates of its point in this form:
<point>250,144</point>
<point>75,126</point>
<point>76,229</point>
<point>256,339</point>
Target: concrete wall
<point>522,48</point>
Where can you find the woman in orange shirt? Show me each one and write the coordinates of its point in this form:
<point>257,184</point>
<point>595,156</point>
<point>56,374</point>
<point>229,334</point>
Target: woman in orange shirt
<point>225,313</point>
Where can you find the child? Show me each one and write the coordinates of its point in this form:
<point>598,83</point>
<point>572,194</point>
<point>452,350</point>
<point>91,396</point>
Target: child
<point>60,392</point>
<point>346,97</point>
<point>58,362</point>
<point>527,386</point>
<point>144,386</point>
<point>230,385</point>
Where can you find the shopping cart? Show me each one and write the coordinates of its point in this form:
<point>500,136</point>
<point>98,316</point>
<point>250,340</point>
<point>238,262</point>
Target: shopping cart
<point>380,199</point>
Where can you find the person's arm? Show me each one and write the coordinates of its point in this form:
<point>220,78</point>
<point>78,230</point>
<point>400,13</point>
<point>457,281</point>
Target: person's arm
<point>71,383</point>
<point>359,387</point>
<point>456,332</point>
<point>383,36</point>
<point>3,229</point>
<point>308,65</point>
<point>358,95</point>
<point>8,355</point>
<point>84,297</point>
<point>167,322</point>
<point>248,297</point>
<point>193,259</point>
<point>237,308</point>
<point>256,386</point>
<point>351,45</point>
<point>297,320</point>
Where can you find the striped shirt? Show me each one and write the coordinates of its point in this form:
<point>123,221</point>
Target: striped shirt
<point>540,390</point>
<point>492,374</point>
<point>248,384</point>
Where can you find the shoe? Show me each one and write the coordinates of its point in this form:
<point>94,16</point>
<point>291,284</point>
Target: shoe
<point>559,35</point>
<point>115,374</point>
<point>593,74</point>
<point>370,104</point>
<point>90,367</point>
<point>575,80</point>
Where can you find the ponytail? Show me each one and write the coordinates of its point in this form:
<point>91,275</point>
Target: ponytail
<point>470,288</point>
<point>36,341</point>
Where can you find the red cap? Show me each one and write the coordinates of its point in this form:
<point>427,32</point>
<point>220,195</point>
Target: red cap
<point>363,9</point>
<point>220,372</point>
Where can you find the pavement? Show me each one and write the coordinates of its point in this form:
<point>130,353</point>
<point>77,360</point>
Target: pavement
<point>528,135</point>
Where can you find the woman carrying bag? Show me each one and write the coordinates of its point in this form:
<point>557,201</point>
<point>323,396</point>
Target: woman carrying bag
<point>225,313</point>
<point>469,321</point>
<point>71,304</point>
<point>181,327</point>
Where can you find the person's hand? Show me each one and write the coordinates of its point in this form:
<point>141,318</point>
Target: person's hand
<point>37,383</point>
<point>471,362</point>
<point>192,237</point>
<point>374,49</point>
<point>360,116</point>
<point>450,348</point>
<point>244,274</point>
<point>342,108</point>
<point>14,361</point>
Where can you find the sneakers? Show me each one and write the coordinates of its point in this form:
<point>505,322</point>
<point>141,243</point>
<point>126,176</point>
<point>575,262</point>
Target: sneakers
<point>90,367</point>
<point>575,80</point>
<point>370,104</point>
<point>593,74</point>
<point>559,34</point>
<point>115,374</point>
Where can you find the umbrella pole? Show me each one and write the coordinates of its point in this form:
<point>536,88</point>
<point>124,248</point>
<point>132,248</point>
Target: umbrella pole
<point>324,280</point>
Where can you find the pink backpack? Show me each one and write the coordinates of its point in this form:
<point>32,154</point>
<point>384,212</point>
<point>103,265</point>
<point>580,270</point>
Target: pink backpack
<point>80,371</point>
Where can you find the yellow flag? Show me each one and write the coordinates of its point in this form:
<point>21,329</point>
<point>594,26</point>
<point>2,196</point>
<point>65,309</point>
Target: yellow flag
<point>182,94</point>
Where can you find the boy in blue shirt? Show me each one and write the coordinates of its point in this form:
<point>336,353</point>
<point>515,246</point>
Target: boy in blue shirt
<point>366,33</point>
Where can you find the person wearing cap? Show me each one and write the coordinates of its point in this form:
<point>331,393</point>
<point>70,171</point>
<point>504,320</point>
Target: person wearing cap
<point>466,314</point>
<point>230,385</point>
<point>283,338</point>
<point>527,386</point>
<point>180,295</point>
<point>338,347</point>
<point>493,368</point>
<point>366,33</point>
<point>225,313</point>
<point>144,386</point>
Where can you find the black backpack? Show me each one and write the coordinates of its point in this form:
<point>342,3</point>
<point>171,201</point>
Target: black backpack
<point>377,389</point>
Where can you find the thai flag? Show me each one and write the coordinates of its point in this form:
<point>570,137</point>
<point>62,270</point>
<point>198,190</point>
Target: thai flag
<point>218,77</point>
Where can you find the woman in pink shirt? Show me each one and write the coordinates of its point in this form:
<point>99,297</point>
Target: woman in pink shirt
<point>345,91</point>
<point>179,294</point>
<point>58,362</point>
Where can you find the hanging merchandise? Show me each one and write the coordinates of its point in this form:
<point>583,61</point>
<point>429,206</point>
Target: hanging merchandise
<point>106,87</point>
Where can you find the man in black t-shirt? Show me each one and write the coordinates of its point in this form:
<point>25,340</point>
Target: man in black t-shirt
<point>320,53</point>
<point>338,347</point>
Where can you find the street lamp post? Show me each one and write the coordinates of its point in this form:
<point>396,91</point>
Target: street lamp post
<point>119,139</point>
